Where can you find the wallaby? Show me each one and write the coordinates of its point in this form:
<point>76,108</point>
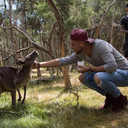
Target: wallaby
<point>11,79</point>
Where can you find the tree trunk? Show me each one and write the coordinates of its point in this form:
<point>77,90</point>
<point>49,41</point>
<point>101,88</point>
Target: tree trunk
<point>61,40</point>
<point>1,63</point>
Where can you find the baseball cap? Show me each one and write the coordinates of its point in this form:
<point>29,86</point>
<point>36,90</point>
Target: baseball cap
<point>80,35</point>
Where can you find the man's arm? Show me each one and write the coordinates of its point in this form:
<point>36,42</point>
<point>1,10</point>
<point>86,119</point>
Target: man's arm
<point>47,64</point>
<point>57,62</point>
<point>83,69</point>
<point>122,30</point>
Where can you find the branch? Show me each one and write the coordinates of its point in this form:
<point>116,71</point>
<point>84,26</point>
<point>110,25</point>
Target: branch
<point>18,30</point>
<point>8,51</point>
<point>23,49</point>
<point>102,19</point>
<point>75,93</point>
<point>33,43</point>
<point>11,112</point>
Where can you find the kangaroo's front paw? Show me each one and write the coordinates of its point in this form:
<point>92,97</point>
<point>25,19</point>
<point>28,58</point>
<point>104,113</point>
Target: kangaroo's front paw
<point>22,101</point>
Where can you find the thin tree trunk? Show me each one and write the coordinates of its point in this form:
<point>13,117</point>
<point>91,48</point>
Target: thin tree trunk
<point>1,63</point>
<point>111,37</point>
<point>102,19</point>
<point>60,23</point>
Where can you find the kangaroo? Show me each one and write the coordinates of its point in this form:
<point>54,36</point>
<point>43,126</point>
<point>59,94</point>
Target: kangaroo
<point>11,79</point>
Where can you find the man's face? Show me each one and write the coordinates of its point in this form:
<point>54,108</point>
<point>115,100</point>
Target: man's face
<point>77,46</point>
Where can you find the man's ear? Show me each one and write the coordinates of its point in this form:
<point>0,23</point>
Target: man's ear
<point>20,61</point>
<point>82,43</point>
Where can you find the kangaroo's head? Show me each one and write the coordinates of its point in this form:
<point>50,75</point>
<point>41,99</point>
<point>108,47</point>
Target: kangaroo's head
<point>29,59</point>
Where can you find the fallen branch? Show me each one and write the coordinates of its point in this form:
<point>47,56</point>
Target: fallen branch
<point>11,112</point>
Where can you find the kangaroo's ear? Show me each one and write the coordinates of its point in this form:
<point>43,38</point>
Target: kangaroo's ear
<point>20,61</point>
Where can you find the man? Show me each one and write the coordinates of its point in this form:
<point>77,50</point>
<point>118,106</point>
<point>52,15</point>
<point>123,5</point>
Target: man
<point>110,67</point>
<point>124,30</point>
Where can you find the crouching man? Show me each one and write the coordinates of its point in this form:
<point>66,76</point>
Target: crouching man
<point>110,67</point>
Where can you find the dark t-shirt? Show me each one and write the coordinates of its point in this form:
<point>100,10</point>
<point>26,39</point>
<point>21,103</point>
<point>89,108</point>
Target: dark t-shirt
<point>124,21</point>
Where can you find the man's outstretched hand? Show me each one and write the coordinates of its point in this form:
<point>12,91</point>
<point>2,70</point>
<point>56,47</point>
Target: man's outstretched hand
<point>35,65</point>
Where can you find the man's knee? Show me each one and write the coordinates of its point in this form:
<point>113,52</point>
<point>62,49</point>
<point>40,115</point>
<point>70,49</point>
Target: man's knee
<point>97,80</point>
<point>81,77</point>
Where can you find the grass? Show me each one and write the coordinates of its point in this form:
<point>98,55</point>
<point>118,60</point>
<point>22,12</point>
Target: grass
<point>48,106</point>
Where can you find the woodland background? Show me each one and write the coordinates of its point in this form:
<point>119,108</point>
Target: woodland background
<point>45,25</point>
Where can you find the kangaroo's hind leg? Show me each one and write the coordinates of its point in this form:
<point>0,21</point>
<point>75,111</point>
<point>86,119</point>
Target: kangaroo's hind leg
<point>13,95</point>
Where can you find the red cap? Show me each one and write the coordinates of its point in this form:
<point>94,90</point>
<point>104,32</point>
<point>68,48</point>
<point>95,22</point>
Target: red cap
<point>80,35</point>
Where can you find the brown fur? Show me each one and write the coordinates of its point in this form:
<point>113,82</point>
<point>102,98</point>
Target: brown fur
<point>11,79</point>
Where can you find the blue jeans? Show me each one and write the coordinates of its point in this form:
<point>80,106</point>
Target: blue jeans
<point>109,82</point>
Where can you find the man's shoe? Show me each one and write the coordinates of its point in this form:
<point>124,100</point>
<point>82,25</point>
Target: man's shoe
<point>108,101</point>
<point>120,103</point>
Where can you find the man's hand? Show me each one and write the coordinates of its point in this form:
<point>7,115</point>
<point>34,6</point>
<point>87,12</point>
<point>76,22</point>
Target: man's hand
<point>34,65</point>
<point>82,69</point>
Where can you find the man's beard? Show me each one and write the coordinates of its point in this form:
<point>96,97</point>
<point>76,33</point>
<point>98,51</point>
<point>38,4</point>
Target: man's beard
<point>80,51</point>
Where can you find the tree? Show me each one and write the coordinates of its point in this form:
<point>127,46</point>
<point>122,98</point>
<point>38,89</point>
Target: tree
<point>60,23</point>
<point>46,27</point>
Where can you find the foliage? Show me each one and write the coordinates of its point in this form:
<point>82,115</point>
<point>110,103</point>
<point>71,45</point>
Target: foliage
<point>38,20</point>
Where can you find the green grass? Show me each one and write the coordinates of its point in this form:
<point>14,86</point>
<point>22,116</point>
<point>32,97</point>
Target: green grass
<point>48,106</point>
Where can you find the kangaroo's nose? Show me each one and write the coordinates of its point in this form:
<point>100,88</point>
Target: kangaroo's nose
<point>36,52</point>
